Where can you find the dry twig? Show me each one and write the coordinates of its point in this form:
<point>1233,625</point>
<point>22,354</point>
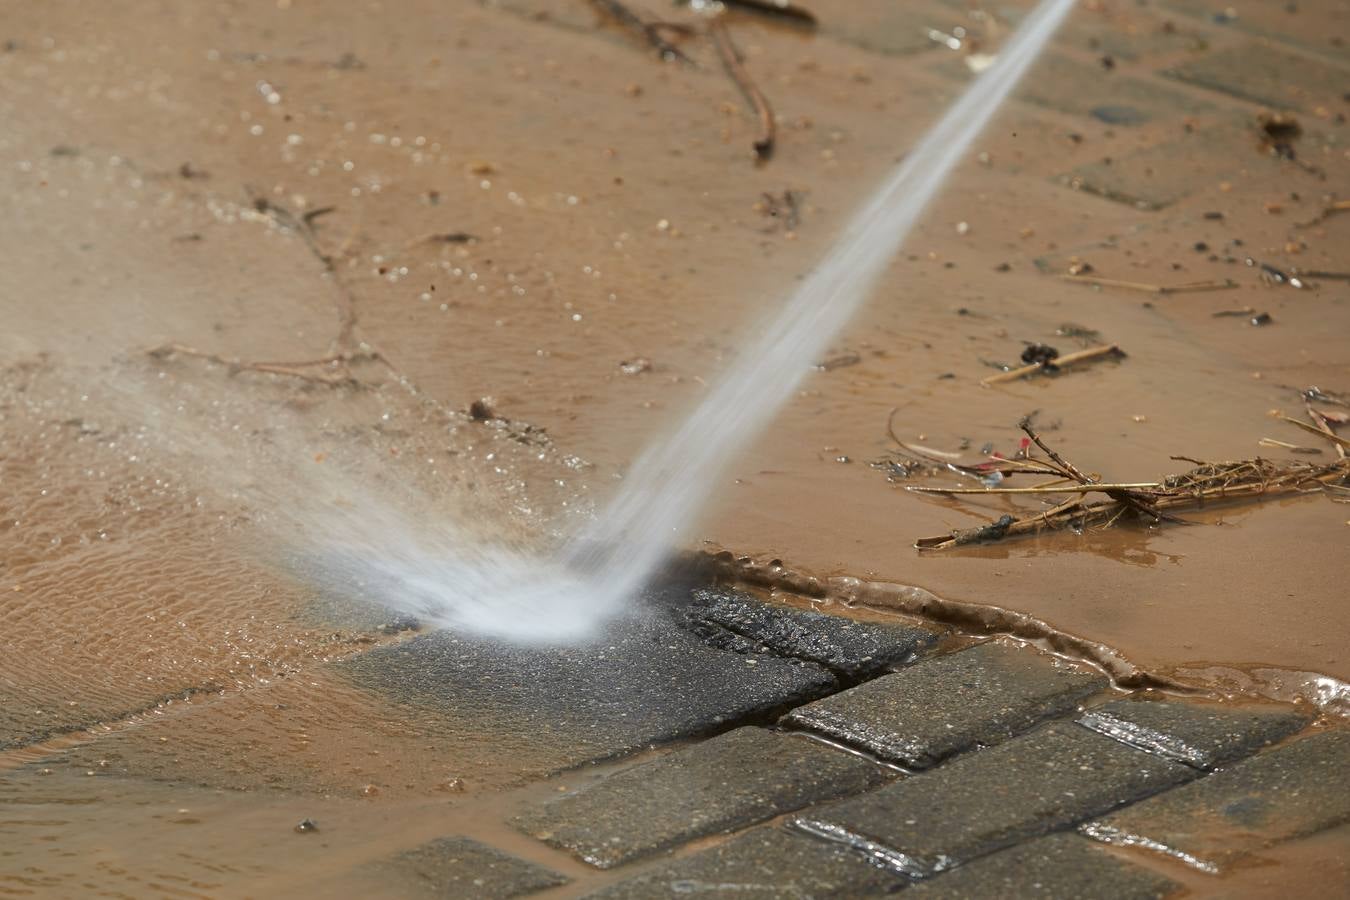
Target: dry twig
<point>1183,288</point>
<point>651,32</point>
<point>734,64</point>
<point>334,368</point>
<point>1206,482</point>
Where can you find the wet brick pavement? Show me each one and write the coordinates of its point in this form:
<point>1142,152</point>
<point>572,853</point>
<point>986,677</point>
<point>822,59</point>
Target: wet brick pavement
<point>996,770</point>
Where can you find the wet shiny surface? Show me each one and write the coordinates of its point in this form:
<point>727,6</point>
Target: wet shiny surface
<point>148,599</point>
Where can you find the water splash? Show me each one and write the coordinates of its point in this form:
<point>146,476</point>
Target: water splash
<point>595,574</point>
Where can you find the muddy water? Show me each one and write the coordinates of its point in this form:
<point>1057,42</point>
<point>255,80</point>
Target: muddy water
<point>521,202</point>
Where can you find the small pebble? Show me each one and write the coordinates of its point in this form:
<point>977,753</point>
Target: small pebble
<point>306,826</point>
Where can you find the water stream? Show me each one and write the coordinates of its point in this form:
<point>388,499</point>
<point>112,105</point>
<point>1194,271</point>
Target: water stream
<point>594,575</point>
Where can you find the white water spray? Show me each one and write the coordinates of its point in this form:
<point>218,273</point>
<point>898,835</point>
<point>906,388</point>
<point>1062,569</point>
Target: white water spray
<point>596,574</point>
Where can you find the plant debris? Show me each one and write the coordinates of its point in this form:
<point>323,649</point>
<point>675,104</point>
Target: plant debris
<point>779,10</point>
<point>1054,363</point>
<point>1272,275</point>
<point>734,63</point>
<point>346,348</point>
<point>1187,287</point>
<point>1042,355</point>
<point>635,366</point>
<point>842,361</point>
<point>653,33</point>
<point>1205,483</point>
<point>786,208</point>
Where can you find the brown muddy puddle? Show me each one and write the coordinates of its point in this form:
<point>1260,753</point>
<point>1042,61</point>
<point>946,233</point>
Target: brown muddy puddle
<point>522,202</point>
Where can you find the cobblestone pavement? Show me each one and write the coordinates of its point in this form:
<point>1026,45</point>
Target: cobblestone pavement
<point>990,770</point>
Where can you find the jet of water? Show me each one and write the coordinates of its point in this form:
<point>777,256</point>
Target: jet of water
<point>597,573</point>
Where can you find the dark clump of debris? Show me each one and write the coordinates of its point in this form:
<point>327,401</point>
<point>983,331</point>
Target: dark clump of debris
<point>481,410</point>
<point>1042,355</point>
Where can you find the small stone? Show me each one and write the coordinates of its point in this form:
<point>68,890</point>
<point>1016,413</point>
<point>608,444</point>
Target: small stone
<point>306,826</point>
<point>635,366</point>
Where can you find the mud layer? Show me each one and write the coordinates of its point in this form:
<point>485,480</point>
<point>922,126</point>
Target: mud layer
<point>512,203</point>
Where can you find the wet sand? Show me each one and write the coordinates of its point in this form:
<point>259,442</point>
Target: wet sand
<point>522,201</point>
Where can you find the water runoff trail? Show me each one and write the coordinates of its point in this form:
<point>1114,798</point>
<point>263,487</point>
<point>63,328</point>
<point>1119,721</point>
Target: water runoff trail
<point>593,577</point>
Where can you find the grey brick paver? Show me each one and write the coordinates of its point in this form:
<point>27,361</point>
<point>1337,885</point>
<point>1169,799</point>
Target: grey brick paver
<point>1202,735</point>
<point>939,707</point>
<point>763,864</point>
<point>737,779</point>
<point>1160,175</point>
<point>852,648</point>
<point>457,867</point>
<point>1266,75</point>
<point>1058,867</point>
<point>643,680</point>
<point>1047,780</point>
<point>1067,85</point>
<point>1294,790</point>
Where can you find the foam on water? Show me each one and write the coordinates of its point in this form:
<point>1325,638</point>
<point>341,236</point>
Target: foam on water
<point>595,575</point>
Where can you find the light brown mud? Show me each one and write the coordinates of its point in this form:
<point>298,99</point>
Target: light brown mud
<point>523,201</point>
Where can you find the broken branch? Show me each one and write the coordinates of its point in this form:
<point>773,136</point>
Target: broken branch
<point>732,61</point>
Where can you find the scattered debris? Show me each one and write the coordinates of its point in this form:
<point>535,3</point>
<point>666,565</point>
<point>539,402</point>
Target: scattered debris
<point>1332,208</point>
<point>1206,482</point>
<point>1078,332</point>
<point>1235,313</point>
<point>1292,448</point>
<point>842,361</point>
<point>1057,363</point>
<point>1042,355</point>
<point>780,10</point>
<point>346,347</point>
<point>1183,288</point>
<point>1261,319</point>
<point>307,826</point>
<point>734,64</point>
<point>481,410</point>
<point>189,172</point>
<point>449,237</point>
<point>786,208</point>
<point>653,33</point>
<point>635,366</point>
<point>954,41</point>
<point>1317,273</point>
<point>1272,275</point>
<point>1278,131</point>
<point>1313,392</point>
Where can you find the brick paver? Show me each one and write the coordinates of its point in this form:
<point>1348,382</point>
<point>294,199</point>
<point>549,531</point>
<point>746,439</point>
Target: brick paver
<point>1296,789</point>
<point>460,867</point>
<point>1202,735</point>
<point>847,647</point>
<point>920,716</point>
<point>1047,780</point>
<point>763,864</point>
<point>737,779</point>
<point>1058,867</point>
<point>1261,73</point>
<point>645,680</point>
